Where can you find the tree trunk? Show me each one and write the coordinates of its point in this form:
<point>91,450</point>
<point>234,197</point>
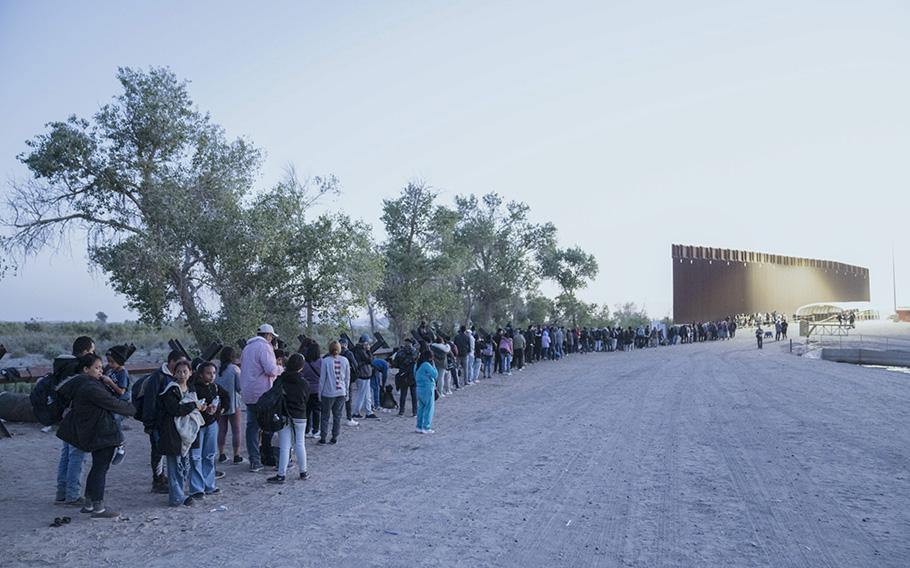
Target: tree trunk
<point>190,309</point>
<point>309,317</point>
<point>372,313</point>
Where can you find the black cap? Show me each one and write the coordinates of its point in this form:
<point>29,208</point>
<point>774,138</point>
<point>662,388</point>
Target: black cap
<point>120,353</point>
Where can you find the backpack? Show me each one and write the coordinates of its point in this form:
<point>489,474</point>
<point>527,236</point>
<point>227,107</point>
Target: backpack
<point>271,409</point>
<point>137,394</point>
<point>487,350</point>
<point>48,405</point>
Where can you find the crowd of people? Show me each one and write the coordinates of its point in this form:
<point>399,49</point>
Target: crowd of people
<point>188,408</point>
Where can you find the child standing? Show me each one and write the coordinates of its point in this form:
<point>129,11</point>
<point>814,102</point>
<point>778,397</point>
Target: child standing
<point>119,385</point>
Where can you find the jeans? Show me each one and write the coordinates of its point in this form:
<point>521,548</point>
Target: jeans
<point>476,363</point>
<point>545,352</point>
<point>440,378</point>
<point>375,388</point>
<point>507,363</point>
<point>69,473</point>
<point>202,461</point>
<point>426,405</point>
<point>380,378</point>
<point>252,437</point>
<point>177,469</point>
<point>224,421</point>
<point>362,400</point>
<point>297,428</point>
<point>464,366</point>
<point>403,399</point>
<point>97,476</point>
<point>312,413</point>
<point>487,366</point>
<point>331,405</point>
<point>156,460</point>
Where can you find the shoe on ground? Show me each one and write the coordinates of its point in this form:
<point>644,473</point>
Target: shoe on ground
<point>275,479</point>
<point>198,496</point>
<point>214,491</point>
<point>429,431</point>
<point>222,458</point>
<point>356,415</point>
<point>317,434</point>
<point>321,441</point>
<point>309,435</point>
<point>219,474</point>
<point>188,502</point>
<point>420,431</point>
<point>304,475</point>
<point>88,508</point>
<point>118,456</point>
<point>61,501</point>
<point>352,422</point>
<point>401,413</point>
<point>372,416</point>
<point>333,441</point>
<point>238,459</point>
<point>77,502</point>
<point>255,468</point>
<point>413,415</point>
<point>105,514</point>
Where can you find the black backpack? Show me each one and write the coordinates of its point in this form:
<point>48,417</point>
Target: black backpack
<point>271,409</point>
<point>48,404</point>
<point>137,394</point>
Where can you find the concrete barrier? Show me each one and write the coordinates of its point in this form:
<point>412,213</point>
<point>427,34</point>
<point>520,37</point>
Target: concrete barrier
<point>890,357</point>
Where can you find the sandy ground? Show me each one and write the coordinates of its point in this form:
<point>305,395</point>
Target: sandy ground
<point>708,455</point>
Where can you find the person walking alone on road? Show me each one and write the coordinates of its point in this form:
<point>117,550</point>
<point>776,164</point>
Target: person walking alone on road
<point>759,333</point>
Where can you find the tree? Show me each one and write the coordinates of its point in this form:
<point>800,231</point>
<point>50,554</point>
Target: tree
<point>155,187</point>
<point>101,318</point>
<point>629,314</point>
<point>571,269</point>
<point>417,265</point>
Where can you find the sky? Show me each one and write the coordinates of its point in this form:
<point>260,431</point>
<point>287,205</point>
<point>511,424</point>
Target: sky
<point>780,127</point>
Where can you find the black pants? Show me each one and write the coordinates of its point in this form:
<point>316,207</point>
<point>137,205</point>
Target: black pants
<point>97,476</point>
<point>331,406</point>
<point>519,358</point>
<point>156,460</point>
<point>347,409</point>
<point>403,398</point>
<point>312,413</point>
<point>759,338</point>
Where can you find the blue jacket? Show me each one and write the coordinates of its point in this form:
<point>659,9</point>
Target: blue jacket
<point>426,375</point>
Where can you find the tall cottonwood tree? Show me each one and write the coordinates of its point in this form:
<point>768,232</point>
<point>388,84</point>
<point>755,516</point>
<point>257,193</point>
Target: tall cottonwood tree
<point>571,269</point>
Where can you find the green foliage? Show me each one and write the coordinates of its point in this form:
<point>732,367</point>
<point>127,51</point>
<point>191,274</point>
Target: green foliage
<point>628,314</point>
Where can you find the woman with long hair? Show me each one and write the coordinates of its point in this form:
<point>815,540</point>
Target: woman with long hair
<point>295,397</point>
<point>229,380</point>
<point>334,377</point>
<point>425,376</point>
<point>90,427</point>
<point>202,458</point>
<point>311,369</point>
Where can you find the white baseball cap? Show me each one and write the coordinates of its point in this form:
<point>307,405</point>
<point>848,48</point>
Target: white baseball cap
<point>266,328</point>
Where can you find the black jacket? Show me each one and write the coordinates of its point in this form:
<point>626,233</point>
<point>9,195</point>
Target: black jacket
<point>296,391</point>
<point>89,425</point>
<point>151,389</point>
<point>364,359</point>
<point>208,394</point>
<point>463,344</point>
<point>404,361</point>
<point>170,407</point>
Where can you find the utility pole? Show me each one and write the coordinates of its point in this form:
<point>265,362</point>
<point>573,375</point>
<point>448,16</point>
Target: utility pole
<point>893,278</point>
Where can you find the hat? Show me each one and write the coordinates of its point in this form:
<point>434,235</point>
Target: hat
<point>364,338</point>
<point>266,328</point>
<point>343,340</point>
<point>119,353</point>
<point>294,363</point>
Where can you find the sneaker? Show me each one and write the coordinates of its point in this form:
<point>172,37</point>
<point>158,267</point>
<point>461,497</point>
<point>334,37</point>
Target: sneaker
<point>118,458</point>
<point>401,413</point>
<point>429,431</point>
<point>77,502</point>
<point>255,468</point>
<point>304,475</point>
<point>214,491</point>
<point>88,508</point>
<point>352,422</point>
<point>356,416</point>
<point>321,441</point>
<point>238,459</point>
<point>372,416</point>
<point>222,458</point>
<point>198,496</point>
<point>275,479</point>
<point>333,441</point>
<point>317,434</point>
<point>413,415</point>
<point>60,501</point>
<point>105,514</point>
<point>219,474</point>
<point>420,431</point>
<point>309,435</point>
<point>188,502</point>
<point>162,489</point>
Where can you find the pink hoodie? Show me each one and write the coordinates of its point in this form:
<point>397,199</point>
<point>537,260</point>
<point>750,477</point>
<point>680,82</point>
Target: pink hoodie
<point>257,369</point>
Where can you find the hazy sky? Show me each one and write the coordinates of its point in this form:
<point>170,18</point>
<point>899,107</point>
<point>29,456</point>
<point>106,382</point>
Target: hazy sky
<point>775,126</point>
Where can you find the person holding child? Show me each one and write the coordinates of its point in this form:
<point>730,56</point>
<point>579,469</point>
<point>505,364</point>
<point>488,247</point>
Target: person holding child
<point>179,422</point>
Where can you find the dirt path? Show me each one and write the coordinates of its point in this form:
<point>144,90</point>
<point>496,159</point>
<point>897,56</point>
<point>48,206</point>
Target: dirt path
<point>707,455</point>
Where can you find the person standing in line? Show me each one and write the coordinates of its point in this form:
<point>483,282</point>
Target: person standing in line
<point>759,333</point>
<point>179,421</point>
<point>202,457</point>
<point>72,459</point>
<point>545,344</point>
<point>296,391</point>
<point>352,365</point>
<point>362,405</point>
<point>505,352</point>
<point>440,351</point>
<point>404,360</point>
<point>311,369</point>
<point>334,377</point>
<point>426,374</point>
<point>462,342</point>
<point>518,347</point>
<point>148,392</point>
<point>90,426</point>
<point>258,368</point>
<point>229,380</point>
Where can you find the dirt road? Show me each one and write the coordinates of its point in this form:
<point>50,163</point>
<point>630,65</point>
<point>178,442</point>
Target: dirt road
<point>702,455</point>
